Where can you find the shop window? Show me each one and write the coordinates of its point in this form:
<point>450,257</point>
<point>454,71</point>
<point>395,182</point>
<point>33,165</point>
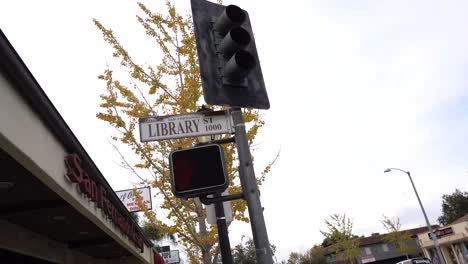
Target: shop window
<point>461,251</point>
<point>452,255</point>
<point>385,247</point>
<point>367,251</point>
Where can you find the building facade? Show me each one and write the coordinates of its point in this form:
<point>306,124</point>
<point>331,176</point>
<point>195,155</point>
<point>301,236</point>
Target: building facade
<point>375,250</point>
<point>55,205</point>
<point>453,241</point>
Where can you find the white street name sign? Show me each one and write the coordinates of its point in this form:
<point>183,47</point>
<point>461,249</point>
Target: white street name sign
<point>185,125</point>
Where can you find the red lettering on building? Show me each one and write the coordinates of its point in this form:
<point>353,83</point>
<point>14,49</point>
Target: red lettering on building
<point>74,170</point>
<point>84,184</point>
<point>101,197</point>
<point>94,191</point>
<point>97,193</point>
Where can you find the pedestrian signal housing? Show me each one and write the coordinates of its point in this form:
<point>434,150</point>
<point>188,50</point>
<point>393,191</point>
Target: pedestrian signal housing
<point>198,171</point>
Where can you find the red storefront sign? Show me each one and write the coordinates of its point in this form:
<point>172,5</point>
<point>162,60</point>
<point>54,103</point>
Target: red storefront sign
<point>99,194</point>
<point>442,232</point>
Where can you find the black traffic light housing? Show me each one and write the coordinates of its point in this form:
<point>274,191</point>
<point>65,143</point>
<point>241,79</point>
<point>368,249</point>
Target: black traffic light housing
<point>198,171</point>
<point>229,65</point>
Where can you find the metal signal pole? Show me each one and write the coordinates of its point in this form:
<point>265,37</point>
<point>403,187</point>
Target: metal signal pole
<point>250,190</point>
<point>224,244</point>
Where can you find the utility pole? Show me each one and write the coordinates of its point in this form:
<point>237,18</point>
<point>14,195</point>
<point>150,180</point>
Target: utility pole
<point>251,192</point>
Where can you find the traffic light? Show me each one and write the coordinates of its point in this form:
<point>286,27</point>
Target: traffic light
<point>229,65</point>
<point>197,171</point>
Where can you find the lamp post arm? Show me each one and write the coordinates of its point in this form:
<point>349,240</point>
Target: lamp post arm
<point>407,172</point>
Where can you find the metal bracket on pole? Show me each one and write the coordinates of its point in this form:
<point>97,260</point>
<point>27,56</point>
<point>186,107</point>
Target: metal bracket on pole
<point>206,200</point>
<point>219,141</point>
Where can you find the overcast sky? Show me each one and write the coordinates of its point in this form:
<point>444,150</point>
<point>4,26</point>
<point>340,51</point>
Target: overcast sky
<point>354,87</point>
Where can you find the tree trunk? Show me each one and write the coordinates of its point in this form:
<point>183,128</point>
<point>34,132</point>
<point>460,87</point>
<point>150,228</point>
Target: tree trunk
<point>205,248</point>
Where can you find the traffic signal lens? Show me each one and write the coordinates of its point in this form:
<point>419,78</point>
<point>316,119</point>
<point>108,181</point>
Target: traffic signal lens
<point>232,16</point>
<point>235,14</point>
<point>240,36</point>
<point>239,66</point>
<point>237,38</point>
<point>245,60</point>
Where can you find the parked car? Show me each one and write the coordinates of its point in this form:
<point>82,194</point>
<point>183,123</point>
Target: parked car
<point>416,261</point>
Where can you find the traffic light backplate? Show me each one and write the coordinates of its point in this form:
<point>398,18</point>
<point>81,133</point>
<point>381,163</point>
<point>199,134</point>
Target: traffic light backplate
<point>229,65</point>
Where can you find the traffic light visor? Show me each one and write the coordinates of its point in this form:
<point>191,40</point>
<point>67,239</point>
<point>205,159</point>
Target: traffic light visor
<point>232,16</point>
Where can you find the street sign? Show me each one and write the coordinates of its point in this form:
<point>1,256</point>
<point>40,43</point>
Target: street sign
<point>186,125</point>
<point>171,257</point>
<point>128,199</point>
<point>211,213</point>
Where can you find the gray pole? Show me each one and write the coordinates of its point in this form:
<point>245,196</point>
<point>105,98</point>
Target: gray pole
<point>224,244</point>
<point>250,189</point>
<point>433,236</point>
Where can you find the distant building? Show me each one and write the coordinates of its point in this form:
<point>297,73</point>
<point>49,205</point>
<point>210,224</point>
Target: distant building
<point>375,250</point>
<point>453,240</point>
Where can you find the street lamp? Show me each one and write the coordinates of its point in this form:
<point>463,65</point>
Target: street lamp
<point>433,236</point>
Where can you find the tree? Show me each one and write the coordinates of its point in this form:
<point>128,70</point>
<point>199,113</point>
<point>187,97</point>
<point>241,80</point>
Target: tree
<point>315,255</point>
<point>454,206</point>
<point>327,241</point>
<point>339,232</point>
<point>244,252</point>
<point>294,258</point>
<point>168,87</point>
<point>401,239</point>
<point>151,232</point>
